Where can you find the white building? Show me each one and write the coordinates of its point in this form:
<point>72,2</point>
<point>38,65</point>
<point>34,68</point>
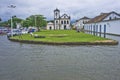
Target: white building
<point>79,24</point>
<point>50,26</point>
<point>104,23</point>
<point>18,25</point>
<point>60,22</point>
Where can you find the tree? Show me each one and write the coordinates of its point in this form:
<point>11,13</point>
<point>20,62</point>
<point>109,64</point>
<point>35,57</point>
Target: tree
<point>14,21</point>
<point>40,21</point>
<point>37,21</point>
<point>26,23</point>
<point>5,24</point>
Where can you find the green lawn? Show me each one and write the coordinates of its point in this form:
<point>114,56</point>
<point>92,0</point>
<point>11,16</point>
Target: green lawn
<point>60,36</point>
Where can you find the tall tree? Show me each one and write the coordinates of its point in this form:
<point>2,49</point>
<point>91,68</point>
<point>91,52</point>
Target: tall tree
<point>15,20</point>
<point>4,24</point>
<point>26,23</point>
<point>37,21</point>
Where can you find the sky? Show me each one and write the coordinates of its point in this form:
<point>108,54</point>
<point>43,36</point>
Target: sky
<point>74,8</point>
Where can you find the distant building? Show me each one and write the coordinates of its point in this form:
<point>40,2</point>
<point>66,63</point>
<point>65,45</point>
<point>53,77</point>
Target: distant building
<point>60,22</point>
<point>79,24</point>
<point>105,22</point>
<point>18,25</point>
<point>50,26</point>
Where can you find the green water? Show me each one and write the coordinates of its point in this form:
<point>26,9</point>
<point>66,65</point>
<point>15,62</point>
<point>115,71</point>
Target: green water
<point>42,62</point>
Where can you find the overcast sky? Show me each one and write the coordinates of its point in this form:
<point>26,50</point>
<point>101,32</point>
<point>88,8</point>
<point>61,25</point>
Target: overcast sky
<point>75,8</point>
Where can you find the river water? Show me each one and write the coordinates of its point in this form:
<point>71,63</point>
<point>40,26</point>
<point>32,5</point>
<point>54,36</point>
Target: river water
<point>20,61</point>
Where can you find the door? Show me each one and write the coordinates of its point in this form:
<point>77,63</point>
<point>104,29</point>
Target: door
<point>50,28</point>
<point>65,27</point>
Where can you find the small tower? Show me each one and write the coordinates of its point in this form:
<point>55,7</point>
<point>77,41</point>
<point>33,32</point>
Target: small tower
<point>56,19</point>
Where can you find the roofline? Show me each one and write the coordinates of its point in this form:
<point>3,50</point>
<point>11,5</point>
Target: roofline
<point>104,21</point>
<point>107,14</point>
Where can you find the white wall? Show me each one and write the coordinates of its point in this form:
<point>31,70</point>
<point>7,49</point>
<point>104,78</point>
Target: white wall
<point>112,26</point>
<point>67,25</point>
<point>79,24</point>
<point>50,25</point>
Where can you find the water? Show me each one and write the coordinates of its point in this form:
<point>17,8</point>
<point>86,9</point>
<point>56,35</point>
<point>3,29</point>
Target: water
<point>42,62</point>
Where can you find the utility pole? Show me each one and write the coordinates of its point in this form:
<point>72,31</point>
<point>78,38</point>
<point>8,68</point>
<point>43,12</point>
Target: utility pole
<point>35,21</point>
<point>11,6</point>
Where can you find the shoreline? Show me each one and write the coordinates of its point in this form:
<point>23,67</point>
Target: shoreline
<point>104,42</point>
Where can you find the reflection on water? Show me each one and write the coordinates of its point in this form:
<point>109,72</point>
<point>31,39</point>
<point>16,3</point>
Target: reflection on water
<point>41,62</point>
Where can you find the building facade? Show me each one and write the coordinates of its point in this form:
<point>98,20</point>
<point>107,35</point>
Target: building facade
<point>104,23</point>
<point>79,24</point>
<point>50,26</point>
<point>61,22</point>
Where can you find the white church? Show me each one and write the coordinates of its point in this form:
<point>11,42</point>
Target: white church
<point>60,22</point>
<point>104,23</point>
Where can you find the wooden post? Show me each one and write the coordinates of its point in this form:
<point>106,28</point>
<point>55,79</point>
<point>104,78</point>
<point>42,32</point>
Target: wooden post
<point>91,29</point>
<point>104,31</point>
<point>100,30</point>
<point>94,30</point>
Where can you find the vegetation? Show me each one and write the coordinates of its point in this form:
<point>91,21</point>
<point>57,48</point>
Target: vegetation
<point>60,36</point>
<point>8,23</point>
<point>14,20</point>
<point>5,24</point>
<point>33,20</point>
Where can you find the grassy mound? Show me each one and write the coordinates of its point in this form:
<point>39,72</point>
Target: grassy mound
<point>59,36</point>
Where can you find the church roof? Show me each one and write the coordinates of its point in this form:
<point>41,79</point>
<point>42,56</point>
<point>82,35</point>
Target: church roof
<point>56,9</point>
<point>50,21</point>
<point>65,16</point>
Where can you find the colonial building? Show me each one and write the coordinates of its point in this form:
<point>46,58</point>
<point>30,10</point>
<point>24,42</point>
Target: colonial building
<point>50,26</point>
<point>79,24</point>
<point>104,23</point>
<point>60,22</point>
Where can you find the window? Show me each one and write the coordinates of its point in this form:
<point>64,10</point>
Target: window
<point>61,22</point>
<point>109,18</point>
<point>83,22</point>
<point>56,14</point>
<point>67,22</point>
<point>56,22</point>
<point>64,22</point>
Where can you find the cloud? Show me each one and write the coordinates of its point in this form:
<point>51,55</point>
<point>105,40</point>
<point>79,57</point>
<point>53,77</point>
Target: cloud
<point>75,8</point>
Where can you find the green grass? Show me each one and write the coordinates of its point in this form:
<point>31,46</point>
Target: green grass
<point>60,36</point>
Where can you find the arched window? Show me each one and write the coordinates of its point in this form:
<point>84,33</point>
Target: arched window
<point>56,22</point>
<point>61,22</point>
<point>64,22</point>
<point>56,14</point>
<point>67,22</point>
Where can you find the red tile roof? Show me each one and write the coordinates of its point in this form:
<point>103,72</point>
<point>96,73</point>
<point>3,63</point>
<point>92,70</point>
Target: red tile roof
<point>101,17</point>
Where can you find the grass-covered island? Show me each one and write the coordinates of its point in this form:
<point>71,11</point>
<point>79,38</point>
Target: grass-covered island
<point>63,37</point>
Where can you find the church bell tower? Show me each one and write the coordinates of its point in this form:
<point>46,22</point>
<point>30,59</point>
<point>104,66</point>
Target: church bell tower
<point>56,19</point>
